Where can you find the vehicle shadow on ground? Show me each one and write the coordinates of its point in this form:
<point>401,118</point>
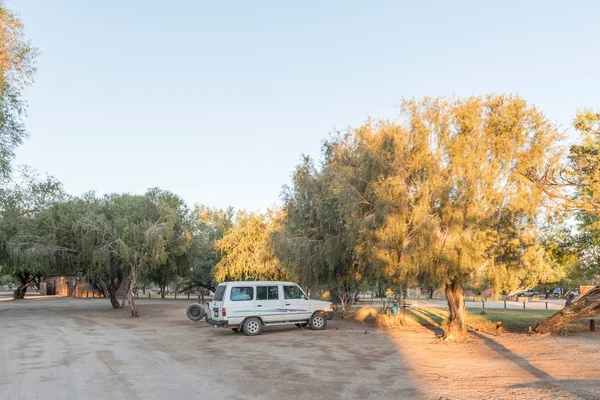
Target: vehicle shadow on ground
<point>544,380</point>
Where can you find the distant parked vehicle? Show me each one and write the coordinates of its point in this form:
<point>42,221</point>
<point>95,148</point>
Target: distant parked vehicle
<point>529,293</point>
<point>574,293</point>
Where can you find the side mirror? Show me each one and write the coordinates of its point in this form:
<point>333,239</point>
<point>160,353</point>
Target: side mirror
<point>306,297</point>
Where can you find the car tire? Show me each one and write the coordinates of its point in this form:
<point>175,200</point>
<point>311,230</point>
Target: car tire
<point>317,322</point>
<point>195,312</point>
<point>252,327</point>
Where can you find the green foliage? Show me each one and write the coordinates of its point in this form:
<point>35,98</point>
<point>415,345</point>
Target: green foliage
<point>324,218</point>
<point>583,172</point>
<point>208,226</point>
<point>17,66</point>
<point>27,246</point>
<point>246,250</point>
<point>7,279</point>
<point>178,241</point>
<point>134,235</point>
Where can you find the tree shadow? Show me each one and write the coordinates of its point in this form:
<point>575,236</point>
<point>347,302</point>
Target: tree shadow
<point>428,320</point>
<point>575,387</point>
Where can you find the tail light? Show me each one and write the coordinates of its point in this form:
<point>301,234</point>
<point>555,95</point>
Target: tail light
<point>223,312</point>
<point>331,307</point>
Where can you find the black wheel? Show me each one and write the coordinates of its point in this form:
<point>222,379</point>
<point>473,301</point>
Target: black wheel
<point>252,327</point>
<point>195,312</point>
<point>317,322</point>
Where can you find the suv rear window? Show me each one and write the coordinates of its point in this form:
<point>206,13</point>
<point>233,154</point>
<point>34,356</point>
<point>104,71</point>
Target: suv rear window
<point>219,293</point>
<point>242,293</point>
<point>267,293</point>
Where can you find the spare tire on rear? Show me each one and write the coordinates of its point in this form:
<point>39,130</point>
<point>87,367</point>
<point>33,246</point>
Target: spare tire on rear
<point>195,312</point>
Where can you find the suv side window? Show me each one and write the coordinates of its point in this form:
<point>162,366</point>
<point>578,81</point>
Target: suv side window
<point>242,293</point>
<point>219,293</point>
<point>267,293</point>
<point>292,292</point>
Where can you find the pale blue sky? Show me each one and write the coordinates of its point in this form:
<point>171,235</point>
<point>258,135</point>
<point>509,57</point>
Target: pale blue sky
<point>216,101</point>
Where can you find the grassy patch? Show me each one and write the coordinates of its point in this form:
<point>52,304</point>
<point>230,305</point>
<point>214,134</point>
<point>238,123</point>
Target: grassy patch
<point>512,320</point>
<point>515,320</point>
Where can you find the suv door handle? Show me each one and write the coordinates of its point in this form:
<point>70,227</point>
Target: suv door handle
<point>259,305</point>
<point>287,304</point>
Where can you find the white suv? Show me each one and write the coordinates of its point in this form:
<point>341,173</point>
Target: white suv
<point>250,306</point>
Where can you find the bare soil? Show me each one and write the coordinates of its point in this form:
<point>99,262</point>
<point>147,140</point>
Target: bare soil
<point>82,349</point>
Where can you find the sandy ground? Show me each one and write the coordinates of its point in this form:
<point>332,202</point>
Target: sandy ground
<point>81,349</point>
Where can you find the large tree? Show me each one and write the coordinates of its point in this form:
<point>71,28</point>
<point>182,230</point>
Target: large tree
<point>444,193</point>
<point>321,230</point>
<point>128,235</point>
<point>27,246</point>
<point>178,242</point>
<point>17,219</point>
<point>474,208</point>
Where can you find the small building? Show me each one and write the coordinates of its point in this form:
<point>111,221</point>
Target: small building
<point>69,286</point>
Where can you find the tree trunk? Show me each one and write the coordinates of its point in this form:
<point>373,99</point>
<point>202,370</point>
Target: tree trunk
<point>455,328</point>
<point>124,297</point>
<point>431,292</point>
<point>110,287</point>
<point>112,295</point>
<point>587,306</point>
<point>547,293</point>
<point>134,311</point>
<point>162,291</point>
<point>19,292</point>
<point>346,295</point>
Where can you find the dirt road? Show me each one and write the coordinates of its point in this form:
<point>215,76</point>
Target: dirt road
<point>81,349</point>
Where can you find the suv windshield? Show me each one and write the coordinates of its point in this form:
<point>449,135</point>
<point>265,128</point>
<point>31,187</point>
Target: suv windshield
<point>219,293</point>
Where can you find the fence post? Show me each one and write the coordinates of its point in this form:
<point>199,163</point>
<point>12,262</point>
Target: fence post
<point>483,304</point>
<point>175,295</point>
<point>188,296</point>
<point>546,305</point>
<point>148,295</point>
<point>505,304</point>
<point>592,325</point>
<point>524,304</point>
